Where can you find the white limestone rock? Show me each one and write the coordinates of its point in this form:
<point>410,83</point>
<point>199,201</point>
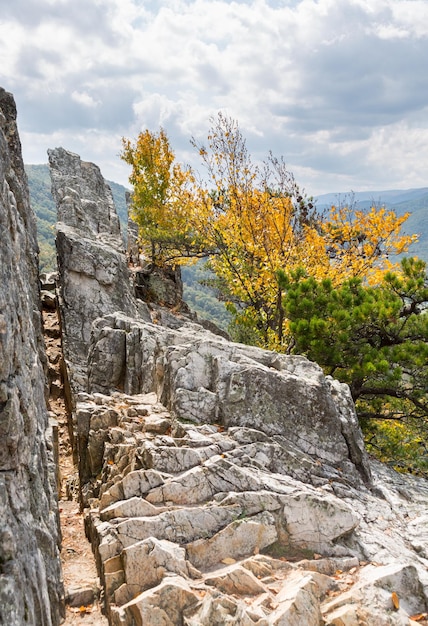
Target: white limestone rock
<point>382,595</point>
<point>236,580</point>
<point>298,602</point>
<point>146,563</point>
<point>315,521</point>
<point>202,482</point>
<point>164,605</point>
<point>132,507</point>
<point>140,482</point>
<point>238,539</point>
<point>180,525</point>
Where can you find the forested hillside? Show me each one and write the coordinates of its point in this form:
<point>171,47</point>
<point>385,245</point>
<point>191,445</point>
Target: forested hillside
<point>200,298</point>
<point>43,204</point>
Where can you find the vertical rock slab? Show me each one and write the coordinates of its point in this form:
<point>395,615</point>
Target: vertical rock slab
<point>93,272</point>
<point>30,577</point>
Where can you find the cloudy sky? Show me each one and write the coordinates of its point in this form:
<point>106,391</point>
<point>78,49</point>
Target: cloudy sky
<point>338,87</point>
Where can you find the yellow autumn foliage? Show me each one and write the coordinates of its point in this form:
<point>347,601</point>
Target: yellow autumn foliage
<point>251,221</point>
<point>164,204</point>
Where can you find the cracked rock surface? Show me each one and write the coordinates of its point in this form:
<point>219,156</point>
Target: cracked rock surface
<point>30,579</point>
<point>223,539</point>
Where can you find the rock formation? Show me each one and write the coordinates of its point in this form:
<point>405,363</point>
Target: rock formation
<point>30,578</point>
<point>92,263</point>
<point>222,484</point>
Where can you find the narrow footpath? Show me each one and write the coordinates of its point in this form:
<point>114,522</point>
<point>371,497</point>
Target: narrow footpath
<point>81,583</point>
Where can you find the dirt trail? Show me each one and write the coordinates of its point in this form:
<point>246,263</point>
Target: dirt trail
<point>78,566</point>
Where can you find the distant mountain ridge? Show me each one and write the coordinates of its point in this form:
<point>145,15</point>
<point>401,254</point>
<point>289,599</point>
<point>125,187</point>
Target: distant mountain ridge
<point>394,196</point>
<point>414,201</point>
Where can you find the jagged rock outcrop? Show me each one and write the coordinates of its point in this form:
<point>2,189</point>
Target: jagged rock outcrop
<point>224,484</point>
<point>201,377</point>
<point>30,578</point>
<point>92,266</point>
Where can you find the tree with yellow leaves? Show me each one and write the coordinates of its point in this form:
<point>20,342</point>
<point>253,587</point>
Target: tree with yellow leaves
<point>264,223</point>
<point>164,204</point>
<point>251,221</point>
<point>356,243</point>
<point>259,219</point>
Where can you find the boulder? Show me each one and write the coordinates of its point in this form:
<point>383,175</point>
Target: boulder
<point>146,563</point>
<point>163,605</point>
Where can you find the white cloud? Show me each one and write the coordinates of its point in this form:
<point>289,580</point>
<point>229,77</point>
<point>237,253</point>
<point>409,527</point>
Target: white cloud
<point>412,15</point>
<point>83,98</point>
<point>333,85</point>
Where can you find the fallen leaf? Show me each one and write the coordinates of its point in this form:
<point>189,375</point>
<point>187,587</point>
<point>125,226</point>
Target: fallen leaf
<point>81,609</point>
<point>419,617</point>
<point>395,600</point>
